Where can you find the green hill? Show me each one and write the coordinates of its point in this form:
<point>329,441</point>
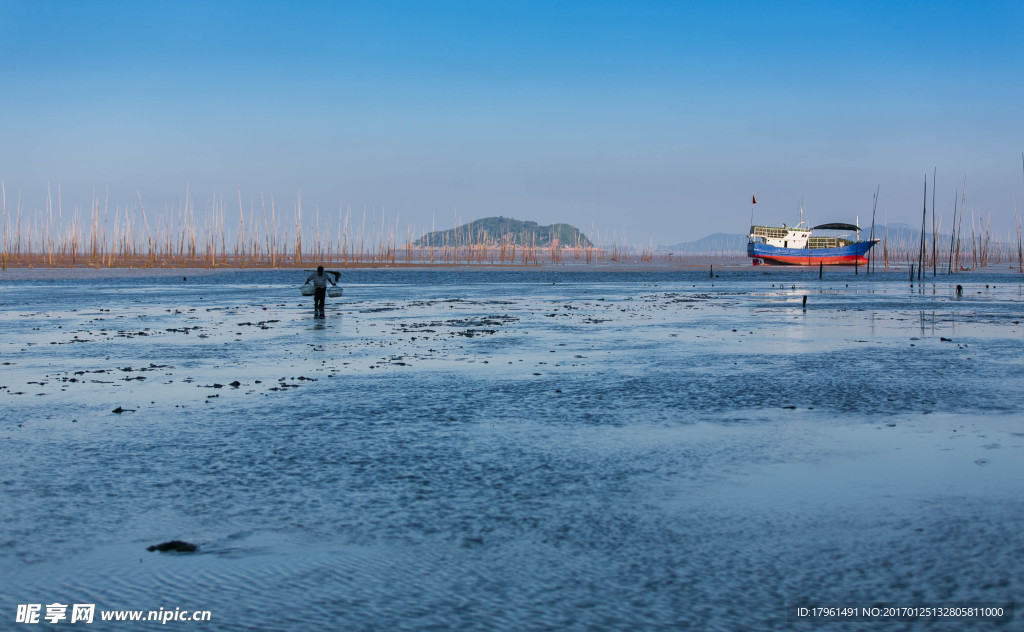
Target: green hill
<point>495,230</point>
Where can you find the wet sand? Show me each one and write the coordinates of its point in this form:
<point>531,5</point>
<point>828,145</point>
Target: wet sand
<point>571,449</point>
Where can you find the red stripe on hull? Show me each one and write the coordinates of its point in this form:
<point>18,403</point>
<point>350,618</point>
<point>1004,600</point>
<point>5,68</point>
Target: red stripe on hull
<point>847,260</point>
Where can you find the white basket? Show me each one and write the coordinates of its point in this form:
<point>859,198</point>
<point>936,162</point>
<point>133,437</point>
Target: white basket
<point>307,290</point>
<point>334,292</point>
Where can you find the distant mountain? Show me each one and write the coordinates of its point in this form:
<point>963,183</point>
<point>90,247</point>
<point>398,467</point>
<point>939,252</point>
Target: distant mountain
<point>904,234</point>
<point>495,230</point>
<point>724,243</point>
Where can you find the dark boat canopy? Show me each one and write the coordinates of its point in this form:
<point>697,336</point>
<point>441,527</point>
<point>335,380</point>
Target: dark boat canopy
<point>836,227</point>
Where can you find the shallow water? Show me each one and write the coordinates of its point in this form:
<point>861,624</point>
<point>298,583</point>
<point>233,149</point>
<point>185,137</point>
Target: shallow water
<point>494,449</point>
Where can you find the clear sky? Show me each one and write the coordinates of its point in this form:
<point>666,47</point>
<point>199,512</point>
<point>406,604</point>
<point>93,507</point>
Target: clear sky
<point>653,120</point>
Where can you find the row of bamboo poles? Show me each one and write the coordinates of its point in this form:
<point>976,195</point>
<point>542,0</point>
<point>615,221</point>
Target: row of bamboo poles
<point>958,251</point>
<point>259,236</point>
<point>950,253</point>
<point>262,236</point>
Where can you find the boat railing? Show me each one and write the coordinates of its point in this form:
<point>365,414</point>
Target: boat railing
<point>771,232</point>
<point>825,242</point>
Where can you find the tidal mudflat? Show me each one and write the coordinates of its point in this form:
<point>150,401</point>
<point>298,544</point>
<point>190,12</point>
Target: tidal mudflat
<point>493,449</point>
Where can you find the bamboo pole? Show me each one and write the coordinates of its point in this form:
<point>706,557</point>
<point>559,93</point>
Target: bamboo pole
<point>3,251</point>
<point>952,232</point>
<point>149,239</point>
<point>924,216</point>
<point>934,253</point>
<point>47,245</point>
<point>240,237</point>
<point>871,236</point>
<point>1020,240</point>
<point>959,228</point>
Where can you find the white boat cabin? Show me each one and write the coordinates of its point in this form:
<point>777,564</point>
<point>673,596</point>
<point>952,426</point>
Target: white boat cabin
<point>798,236</point>
<point>785,237</point>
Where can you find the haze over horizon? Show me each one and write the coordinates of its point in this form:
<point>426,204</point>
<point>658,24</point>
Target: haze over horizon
<point>656,121</point>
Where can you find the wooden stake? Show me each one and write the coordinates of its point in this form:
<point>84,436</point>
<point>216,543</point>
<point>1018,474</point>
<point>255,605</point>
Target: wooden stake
<point>924,216</point>
<point>934,252</point>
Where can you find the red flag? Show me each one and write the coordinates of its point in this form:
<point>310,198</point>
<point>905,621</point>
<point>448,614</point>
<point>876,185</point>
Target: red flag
<point>755,199</point>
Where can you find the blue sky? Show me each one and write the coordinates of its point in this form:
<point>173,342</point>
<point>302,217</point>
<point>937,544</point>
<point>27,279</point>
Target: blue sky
<point>653,120</point>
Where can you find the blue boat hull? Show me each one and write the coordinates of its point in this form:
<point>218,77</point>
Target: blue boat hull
<point>852,254</point>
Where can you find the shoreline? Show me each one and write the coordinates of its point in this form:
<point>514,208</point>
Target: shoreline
<point>35,271</point>
<point>21,273</point>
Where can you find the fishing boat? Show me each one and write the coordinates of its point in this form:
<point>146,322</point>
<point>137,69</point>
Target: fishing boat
<point>799,246</point>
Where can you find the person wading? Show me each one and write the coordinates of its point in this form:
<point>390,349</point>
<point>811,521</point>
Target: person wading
<point>320,280</point>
